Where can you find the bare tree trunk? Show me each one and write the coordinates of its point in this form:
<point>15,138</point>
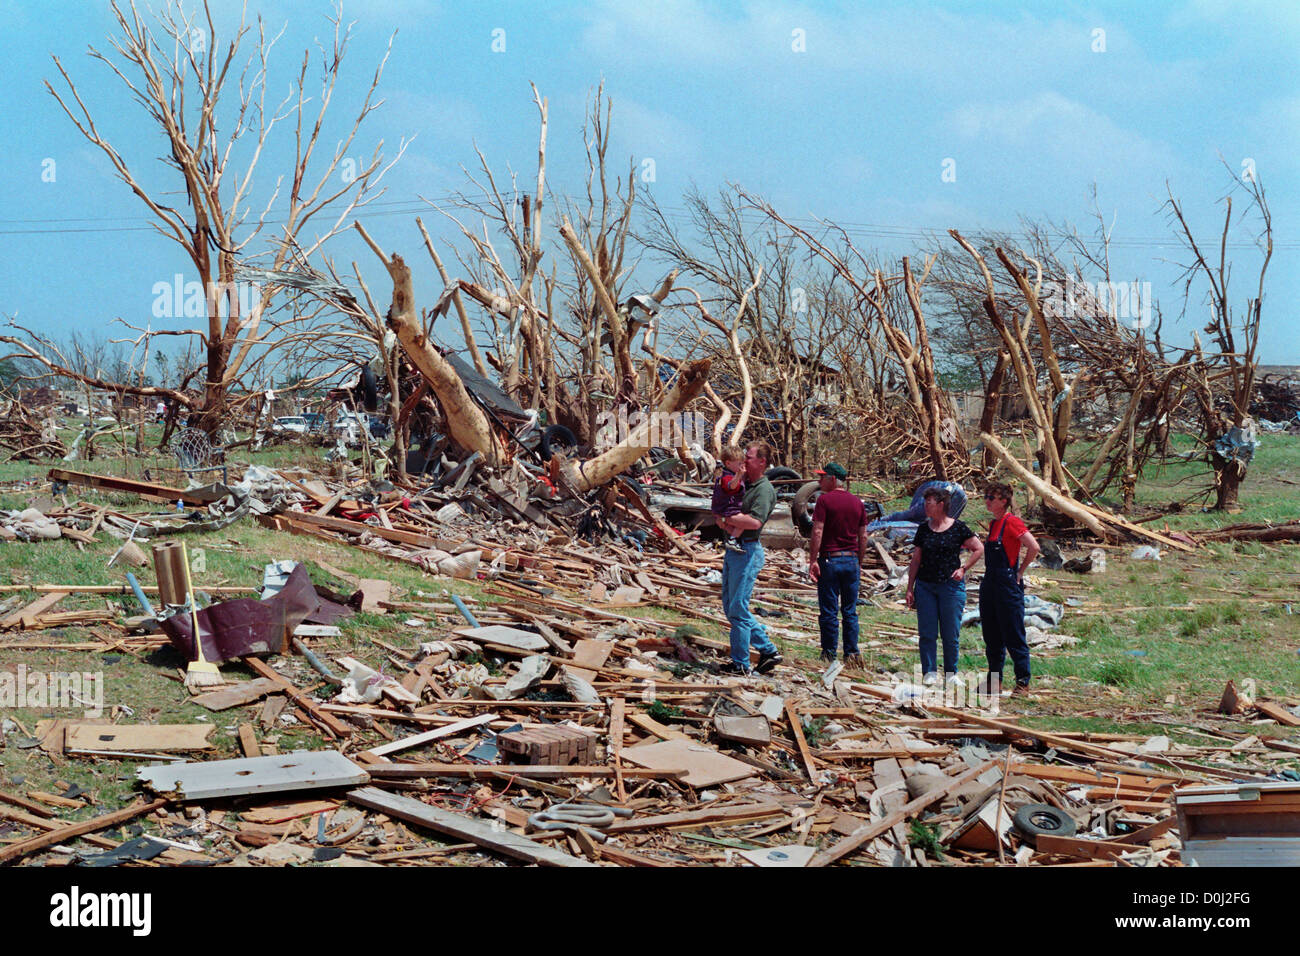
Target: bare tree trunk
<point>691,379</point>
<point>466,422</point>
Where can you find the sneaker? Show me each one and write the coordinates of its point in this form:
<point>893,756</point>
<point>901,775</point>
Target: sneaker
<point>767,660</point>
<point>731,667</point>
<point>930,679</point>
<point>827,657</point>
<point>953,679</point>
<point>854,662</point>
<point>731,544</point>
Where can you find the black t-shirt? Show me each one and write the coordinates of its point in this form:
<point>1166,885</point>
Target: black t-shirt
<point>940,551</point>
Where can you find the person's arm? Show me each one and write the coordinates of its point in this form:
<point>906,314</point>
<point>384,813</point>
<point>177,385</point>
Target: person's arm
<point>912,569</point>
<point>815,547</point>
<point>1029,550</point>
<point>862,541</point>
<point>744,522</point>
<point>976,548</point>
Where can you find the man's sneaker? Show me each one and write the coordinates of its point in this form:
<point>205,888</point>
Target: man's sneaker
<point>854,662</point>
<point>952,679</point>
<point>828,657</point>
<point>732,544</point>
<point>731,667</point>
<point>767,660</point>
<point>930,679</point>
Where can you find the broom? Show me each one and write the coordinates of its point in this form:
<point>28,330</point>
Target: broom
<point>200,673</point>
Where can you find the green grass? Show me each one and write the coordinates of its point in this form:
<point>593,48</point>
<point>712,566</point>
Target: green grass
<point>1239,627</point>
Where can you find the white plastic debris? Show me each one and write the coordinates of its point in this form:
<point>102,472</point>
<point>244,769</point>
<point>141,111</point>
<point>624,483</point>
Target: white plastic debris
<point>1145,553</point>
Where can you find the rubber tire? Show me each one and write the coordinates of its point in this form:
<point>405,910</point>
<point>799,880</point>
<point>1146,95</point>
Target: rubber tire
<point>800,512</point>
<point>781,473</point>
<point>554,438</point>
<point>1035,819</point>
<point>369,389</point>
<point>637,487</point>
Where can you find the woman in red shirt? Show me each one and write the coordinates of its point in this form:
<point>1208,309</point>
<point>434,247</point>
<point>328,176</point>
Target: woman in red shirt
<point>1009,550</point>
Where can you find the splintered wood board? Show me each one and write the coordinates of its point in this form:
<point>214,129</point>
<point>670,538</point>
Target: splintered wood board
<point>588,653</point>
<point>153,738</point>
<point>464,827</point>
<point>704,766</point>
<point>244,692</point>
<point>230,778</point>
<point>508,636</point>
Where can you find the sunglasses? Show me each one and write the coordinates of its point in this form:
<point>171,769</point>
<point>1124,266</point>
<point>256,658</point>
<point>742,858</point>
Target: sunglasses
<point>994,498</point>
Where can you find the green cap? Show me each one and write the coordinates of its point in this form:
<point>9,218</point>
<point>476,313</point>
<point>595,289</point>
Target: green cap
<point>835,470</point>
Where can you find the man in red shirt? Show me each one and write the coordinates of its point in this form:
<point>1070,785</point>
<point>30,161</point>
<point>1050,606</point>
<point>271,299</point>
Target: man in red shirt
<point>836,552</point>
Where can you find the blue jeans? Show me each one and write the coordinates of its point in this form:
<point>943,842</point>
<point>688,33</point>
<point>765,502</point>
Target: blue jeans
<point>837,595</point>
<point>938,613</point>
<point>739,574</point>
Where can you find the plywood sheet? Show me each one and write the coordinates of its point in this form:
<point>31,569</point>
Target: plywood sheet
<point>150,738</point>
<point>705,766</point>
<point>507,636</point>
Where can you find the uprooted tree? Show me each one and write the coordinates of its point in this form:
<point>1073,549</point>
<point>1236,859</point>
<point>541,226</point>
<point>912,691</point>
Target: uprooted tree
<point>180,71</point>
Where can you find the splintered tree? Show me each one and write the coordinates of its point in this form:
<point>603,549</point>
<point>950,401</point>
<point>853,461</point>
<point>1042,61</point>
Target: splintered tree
<point>1230,372</point>
<point>215,113</point>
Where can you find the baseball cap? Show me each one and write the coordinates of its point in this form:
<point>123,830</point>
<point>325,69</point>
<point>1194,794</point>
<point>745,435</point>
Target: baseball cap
<point>835,470</point>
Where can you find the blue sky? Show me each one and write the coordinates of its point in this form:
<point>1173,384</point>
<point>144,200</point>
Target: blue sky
<point>856,126</point>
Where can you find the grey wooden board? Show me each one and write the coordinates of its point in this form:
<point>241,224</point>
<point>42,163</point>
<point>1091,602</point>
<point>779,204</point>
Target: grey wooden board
<point>507,636</point>
<point>753,731</point>
<point>450,730</point>
<point>242,693</point>
<point>463,828</point>
<point>230,778</point>
<point>784,856</point>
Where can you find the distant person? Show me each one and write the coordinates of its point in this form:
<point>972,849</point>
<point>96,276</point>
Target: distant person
<point>836,552</point>
<point>740,568</point>
<point>936,582</point>
<point>1010,549</point>
<point>729,491</point>
<point>160,413</point>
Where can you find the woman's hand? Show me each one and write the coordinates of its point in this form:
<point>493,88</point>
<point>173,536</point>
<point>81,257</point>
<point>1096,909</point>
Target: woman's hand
<point>959,574</point>
<point>911,598</point>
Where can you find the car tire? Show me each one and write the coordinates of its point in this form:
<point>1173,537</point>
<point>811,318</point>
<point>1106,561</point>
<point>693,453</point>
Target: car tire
<point>781,473</point>
<point>801,507</point>
<point>369,389</point>
<point>556,438</point>
<point>1035,819</point>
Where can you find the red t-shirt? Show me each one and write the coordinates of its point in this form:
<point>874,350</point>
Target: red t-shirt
<point>1010,537</point>
<point>844,516</point>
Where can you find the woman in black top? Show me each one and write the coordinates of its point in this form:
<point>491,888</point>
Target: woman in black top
<point>936,582</point>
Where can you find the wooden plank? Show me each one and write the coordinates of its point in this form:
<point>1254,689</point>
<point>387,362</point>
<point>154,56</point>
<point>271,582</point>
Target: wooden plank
<point>868,832</point>
<point>589,654</point>
<point>144,489</point>
<point>707,815</point>
<point>1278,713</point>
<point>1082,849</point>
<point>43,825</point>
<point>543,771</point>
<point>796,731</point>
<point>27,804</point>
<point>55,837</point>
<point>507,636</point>
<point>150,738</point>
<point>248,741</point>
<point>37,607</point>
<point>230,778</point>
<point>464,828</point>
<point>415,740</point>
<point>1148,833</point>
<point>263,669</point>
<point>649,724</point>
<point>617,710</point>
<point>235,695</point>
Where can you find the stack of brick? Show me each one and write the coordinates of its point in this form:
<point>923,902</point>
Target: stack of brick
<point>547,745</point>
